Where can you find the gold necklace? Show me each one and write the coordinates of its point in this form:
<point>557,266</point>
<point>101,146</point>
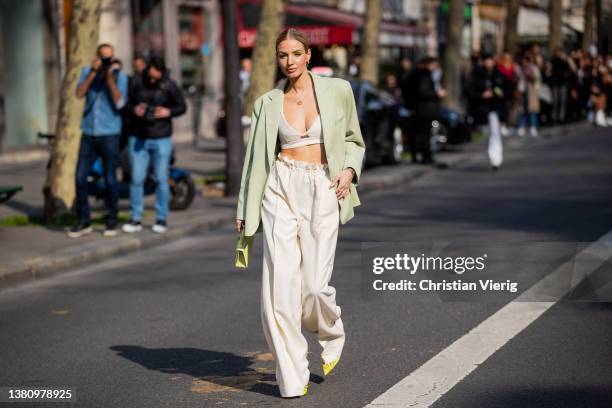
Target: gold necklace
<point>299,100</point>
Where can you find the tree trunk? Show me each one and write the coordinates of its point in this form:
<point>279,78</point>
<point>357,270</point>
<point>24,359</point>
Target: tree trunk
<point>452,54</point>
<point>369,50</point>
<point>599,27</point>
<point>511,34</point>
<point>555,23</point>
<point>587,36</point>
<point>232,100</point>
<point>59,189</point>
<point>264,53</point>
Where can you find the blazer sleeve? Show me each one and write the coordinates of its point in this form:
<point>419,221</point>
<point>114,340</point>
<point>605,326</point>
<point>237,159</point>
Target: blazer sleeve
<point>248,159</point>
<point>354,145</point>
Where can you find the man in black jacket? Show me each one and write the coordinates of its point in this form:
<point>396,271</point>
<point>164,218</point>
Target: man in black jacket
<point>488,94</point>
<point>561,77</point>
<point>427,104</point>
<point>155,99</point>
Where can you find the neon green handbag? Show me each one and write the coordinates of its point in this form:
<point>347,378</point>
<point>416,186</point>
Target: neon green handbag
<point>242,250</point>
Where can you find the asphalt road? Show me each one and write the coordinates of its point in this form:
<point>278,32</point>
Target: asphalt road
<point>178,326</point>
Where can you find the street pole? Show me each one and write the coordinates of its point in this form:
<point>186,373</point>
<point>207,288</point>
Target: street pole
<point>234,143</point>
<point>511,33</point>
<point>555,33</point>
<point>370,41</point>
<point>600,31</point>
<point>452,53</point>
<point>587,35</point>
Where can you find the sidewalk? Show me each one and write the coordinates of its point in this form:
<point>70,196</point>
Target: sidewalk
<point>30,252</point>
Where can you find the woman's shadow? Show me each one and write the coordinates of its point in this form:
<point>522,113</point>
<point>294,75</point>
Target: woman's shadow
<point>213,371</point>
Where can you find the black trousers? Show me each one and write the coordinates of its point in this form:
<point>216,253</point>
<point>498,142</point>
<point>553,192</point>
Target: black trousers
<point>423,134</point>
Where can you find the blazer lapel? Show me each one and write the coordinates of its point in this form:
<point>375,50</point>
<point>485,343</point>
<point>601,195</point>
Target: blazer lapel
<point>273,110</point>
<point>325,109</point>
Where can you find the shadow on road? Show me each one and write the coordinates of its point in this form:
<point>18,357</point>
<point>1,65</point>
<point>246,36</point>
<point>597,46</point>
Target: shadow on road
<point>212,371</point>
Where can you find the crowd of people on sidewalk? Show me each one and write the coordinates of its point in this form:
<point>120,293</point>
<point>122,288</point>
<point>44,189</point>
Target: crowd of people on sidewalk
<point>555,90</point>
<point>508,94</point>
<point>134,113</point>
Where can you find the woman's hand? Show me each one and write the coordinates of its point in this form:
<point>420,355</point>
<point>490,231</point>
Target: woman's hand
<point>239,225</point>
<point>342,183</point>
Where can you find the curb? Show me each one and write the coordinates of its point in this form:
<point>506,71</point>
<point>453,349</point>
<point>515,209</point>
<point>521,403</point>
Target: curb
<point>201,220</point>
<point>36,268</point>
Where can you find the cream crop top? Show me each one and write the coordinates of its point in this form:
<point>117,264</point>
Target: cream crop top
<point>290,138</point>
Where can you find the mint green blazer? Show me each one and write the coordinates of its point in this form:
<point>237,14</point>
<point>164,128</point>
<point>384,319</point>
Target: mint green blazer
<point>344,146</point>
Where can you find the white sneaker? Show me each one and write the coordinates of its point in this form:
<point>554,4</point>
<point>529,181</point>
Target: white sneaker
<point>111,230</point>
<point>504,131</point>
<point>79,230</point>
<point>520,132</point>
<point>132,227</point>
<point>533,132</point>
<point>600,119</point>
<point>160,227</point>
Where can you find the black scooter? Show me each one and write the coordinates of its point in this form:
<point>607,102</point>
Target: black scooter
<point>182,186</point>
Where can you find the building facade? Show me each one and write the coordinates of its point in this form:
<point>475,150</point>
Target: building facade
<point>33,52</point>
<point>188,33</point>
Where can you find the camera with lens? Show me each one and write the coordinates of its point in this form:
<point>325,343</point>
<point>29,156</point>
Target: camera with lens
<point>149,115</point>
<point>107,63</point>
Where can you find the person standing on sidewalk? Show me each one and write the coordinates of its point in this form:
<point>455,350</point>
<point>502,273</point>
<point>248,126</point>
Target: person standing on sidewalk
<point>427,106</point>
<point>489,91</point>
<point>302,163</point>
<point>409,98</point>
<point>155,99</point>
<point>104,87</point>
<point>530,80</point>
<point>507,68</point>
<point>561,77</point>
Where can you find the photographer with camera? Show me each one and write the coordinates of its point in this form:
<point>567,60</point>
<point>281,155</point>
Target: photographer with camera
<point>104,87</point>
<point>155,99</point>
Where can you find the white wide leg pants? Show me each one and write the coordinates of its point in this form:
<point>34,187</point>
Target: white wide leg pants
<point>300,217</point>
<point>496,148</point>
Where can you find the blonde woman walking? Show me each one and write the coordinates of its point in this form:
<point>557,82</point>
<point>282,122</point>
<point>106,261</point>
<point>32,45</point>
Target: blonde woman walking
<point>302,164</point>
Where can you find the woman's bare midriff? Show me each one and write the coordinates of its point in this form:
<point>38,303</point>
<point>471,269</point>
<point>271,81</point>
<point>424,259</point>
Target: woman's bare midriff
<point>314,153</point>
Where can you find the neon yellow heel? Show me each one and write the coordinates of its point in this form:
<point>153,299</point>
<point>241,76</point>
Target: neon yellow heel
<point>305,390</point>
<point>327,368</point>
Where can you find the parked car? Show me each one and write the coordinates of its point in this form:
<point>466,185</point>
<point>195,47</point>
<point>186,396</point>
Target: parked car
<point>382,120</point>
<point>450,128</point>
<point>388,126</point>
<point>182,186</point>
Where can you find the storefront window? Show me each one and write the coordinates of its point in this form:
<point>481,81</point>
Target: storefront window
<point>193,47</point>
<point>148,23</point>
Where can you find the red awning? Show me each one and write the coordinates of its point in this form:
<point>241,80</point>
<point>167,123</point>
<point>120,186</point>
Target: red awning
<point>317,35</point>
<point>337,27</point>
<point>340,17</point>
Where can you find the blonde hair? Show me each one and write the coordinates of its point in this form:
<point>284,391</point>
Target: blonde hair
<point>294,34</point>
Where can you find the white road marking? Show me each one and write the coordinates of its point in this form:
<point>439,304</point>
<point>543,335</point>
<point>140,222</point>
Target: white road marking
<point>432,380</point>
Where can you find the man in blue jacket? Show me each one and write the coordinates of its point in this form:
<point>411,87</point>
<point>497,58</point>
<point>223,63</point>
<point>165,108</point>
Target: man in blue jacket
<point>104,87</point>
